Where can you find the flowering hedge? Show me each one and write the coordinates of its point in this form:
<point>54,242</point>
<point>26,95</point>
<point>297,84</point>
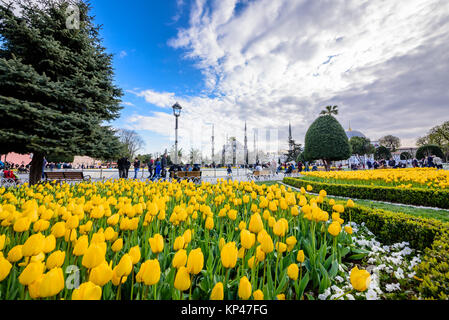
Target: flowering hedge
<point>413,196</point>
<point>429,235</point>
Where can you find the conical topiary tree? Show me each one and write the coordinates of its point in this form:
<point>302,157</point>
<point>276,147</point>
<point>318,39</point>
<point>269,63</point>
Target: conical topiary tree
<point>326,140</point>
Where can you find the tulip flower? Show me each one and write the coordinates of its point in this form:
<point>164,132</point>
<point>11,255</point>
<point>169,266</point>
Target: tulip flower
<point>182,279</point>
<point>217,292</point>
<point>221,243</point>
<point>180,259</point>
<point>22,224</point>
<point>187,236</point>
<point>33,245</point>
<point>58,229</point>
<point>157,243</point>
<point>255,223</point>
<point>258,295</point>
<point>5,268</point>
<point>209,225</point>
<point>52,283</point>
<point>280,296</point>
<point>350,204</point>
<point>32,271</point>
<point>247,239</point>
<point>360,279</point>
<point>15,254</point>
<point>149,273</point>
<point>229,255</point>
<point>56,259</point>
<point>348,229</point>
<point>117,245</point>
<point>334,228</point>
<point>34,288</point>
<point>293,271</point>
<point>109,234</point>
<point>87,291</point>
<point>281,247</point>
<point>244,291</point>
<point>195,261</point>
<point>94,256</point>
<point>134,252</point>
<point>300,257</point>
<point>101,274</point>
<point>124,267</point>
<point>81,246</point>
<point>260,254</point>
<point>179,243</point>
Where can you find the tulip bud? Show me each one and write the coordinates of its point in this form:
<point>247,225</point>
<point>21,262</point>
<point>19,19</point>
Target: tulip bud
<point>229,255</point>
<point>179,243</point>
<point>209,223</point>
<point>94,256</point>
<point>87,291</point>
<point>125,266</point>
<point>117,245</point>
<point>134,252</point>
<point>150,272</point>
<point>300,257</point>
<point>15,254</point>
<point>33,245</point>
<point>81,246</point>
<point>195,261</point>
<point>293,271</point>
<point>182,279</point>
<point>180,259</point>
<point>217,292</point>
<point>258,295</point>
<point>156,243</point>
<point>58,229</point>
<point>32,271</point>
<point>5,268</point>
<point>244,291</point>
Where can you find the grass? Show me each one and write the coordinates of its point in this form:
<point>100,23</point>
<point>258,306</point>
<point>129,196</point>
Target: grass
<point>439,214</point>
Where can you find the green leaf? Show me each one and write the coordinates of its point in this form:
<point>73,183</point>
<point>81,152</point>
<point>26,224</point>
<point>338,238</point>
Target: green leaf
<point>334,269</point>
<point>303,284</point>
<point>358,256</point>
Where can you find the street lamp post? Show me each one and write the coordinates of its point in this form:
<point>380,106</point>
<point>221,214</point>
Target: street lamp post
<point>177,112</point>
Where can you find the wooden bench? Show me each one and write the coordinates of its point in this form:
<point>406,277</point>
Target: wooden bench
<point>66,176</point>
<point>194,176</point>
<point>257,175</point>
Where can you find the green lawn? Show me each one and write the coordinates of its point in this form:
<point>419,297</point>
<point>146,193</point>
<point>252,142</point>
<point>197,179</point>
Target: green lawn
<point>442,215</point>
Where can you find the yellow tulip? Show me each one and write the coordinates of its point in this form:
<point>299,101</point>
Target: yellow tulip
<point>258,295</point>
<point>22,224</point>
<point>180,259</point>
<point>292,271</point>
<point>348,229</point>
<point>87,291</point>
<point>124,267</point>
<point>255,223</point>
<point>195,261</point>
<point>32,271</point>
<point>182,279</point>
<point>280,296</point>
<point>360,279</point>
<point>300,256</point>
<point>134,252</point>
<point>209,223</point>
<point>244,291</point>
<point>281,247</point>
<point>247,239</point>
<point>94,256</point>
<point>5,268</point>
<point>150,272</point>
<point>52,283</point>
<point>101,274</point>
<point>157,243</point>
<point>33,245</point>
<point>58,229</point>
<point>109,234</point>
<point>15,254</point>
<point>117,245</point>
<point>334,228</point>
<point>187,236</point>
<point>81,246</point>
<point>217,292</point>
<point>229,255</point>
<point>350,204</point>
<point>56,259</point>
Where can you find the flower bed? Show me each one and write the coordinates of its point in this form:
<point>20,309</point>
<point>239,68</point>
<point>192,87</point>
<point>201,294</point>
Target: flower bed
<point>413,196</point>
<point>143,240</point>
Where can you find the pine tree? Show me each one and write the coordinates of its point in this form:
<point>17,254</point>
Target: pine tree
<point>56,85</point>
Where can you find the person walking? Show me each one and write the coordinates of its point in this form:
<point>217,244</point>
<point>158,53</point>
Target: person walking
<point>44,164</point>
<point>150,168</point>
<point>157,170</point>
<point>136,166</point>
<point>121,167</point>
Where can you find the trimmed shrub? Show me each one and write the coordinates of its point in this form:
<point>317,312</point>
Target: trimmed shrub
<point>413,196</point>
<point>429,149</point>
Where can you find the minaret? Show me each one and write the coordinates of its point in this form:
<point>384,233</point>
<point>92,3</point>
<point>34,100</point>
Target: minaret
<point>255,149</point>
<point>349,126</point>
<point>246,147</point>
<point>290,138</point>
<point>212,144</point>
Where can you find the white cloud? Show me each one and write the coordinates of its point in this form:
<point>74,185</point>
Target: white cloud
<point>123,54</point>
<point>128,104</point>
<point>270,62</point>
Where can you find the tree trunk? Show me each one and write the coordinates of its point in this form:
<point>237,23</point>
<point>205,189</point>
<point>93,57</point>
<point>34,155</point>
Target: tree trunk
<point>36,168</point>
<point>327,164</point>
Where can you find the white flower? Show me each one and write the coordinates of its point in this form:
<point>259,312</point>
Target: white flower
<point>339,279</point>
<point>325,294</point>
<point>371,295</point>
<point>392,287</point>
<point>350,297</point>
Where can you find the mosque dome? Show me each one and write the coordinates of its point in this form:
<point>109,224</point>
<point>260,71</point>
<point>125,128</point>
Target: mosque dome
<point>354,133</point>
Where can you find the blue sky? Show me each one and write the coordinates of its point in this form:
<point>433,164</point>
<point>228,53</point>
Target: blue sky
<point>136,33</point>
<point>269,63</point>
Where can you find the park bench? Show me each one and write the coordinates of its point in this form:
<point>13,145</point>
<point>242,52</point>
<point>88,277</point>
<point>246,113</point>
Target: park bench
<point>66,176</point>
<point>194,176</point>
<point>258,175</point>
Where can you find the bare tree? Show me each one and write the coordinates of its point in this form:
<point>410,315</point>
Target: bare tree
<point>131,140</point>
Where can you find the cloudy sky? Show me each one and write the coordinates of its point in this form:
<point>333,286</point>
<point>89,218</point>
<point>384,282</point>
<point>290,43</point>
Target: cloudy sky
<point>271,62</point>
